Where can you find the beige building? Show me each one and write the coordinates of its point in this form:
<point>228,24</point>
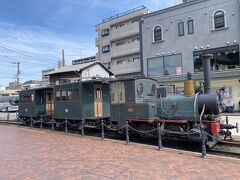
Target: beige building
<point>118,42</point>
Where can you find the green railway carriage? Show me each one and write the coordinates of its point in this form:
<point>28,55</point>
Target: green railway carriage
<point>36,102</point>
<point>87,100</point>
<point>127,100</point>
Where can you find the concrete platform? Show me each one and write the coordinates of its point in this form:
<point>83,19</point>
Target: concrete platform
<point>33,154</point>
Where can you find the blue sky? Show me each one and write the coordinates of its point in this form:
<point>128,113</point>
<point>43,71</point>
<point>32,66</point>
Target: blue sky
<point>41,28</point>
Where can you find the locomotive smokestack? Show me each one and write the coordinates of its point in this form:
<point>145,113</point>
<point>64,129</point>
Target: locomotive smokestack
<point>206,58</point>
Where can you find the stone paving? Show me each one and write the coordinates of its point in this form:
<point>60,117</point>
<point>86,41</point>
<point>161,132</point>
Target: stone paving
<point>34,154</point>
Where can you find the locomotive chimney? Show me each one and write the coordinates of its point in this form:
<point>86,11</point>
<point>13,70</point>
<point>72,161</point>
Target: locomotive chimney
<point>206,58</point>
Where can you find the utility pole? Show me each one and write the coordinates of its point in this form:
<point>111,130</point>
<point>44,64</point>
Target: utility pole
<point>18,71</point>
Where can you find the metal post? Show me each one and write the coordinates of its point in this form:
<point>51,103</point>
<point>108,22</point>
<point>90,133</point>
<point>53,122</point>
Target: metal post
<point>31,122</point>
<point>66,128</point>
<point>8,118</point>
<point>227,120</point>
<point>204,152</point>
<point>159,137</point>
<point>102,129</point>
<point>52,124</point>
<point>17,118</point>
<point>41,123</point>
<point>82,133</point>
<point>127,134</point>
<point>18,121</point>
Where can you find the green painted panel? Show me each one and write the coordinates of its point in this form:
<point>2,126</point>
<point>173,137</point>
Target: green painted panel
<point>88,100</point>
<point>106,99</point>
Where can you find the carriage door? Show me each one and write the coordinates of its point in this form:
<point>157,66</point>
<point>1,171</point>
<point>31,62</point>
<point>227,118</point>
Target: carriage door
<point>49,102</point>
<point>98,104</point>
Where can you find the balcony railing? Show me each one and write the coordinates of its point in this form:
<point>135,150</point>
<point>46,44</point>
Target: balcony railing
<point>125,31</point>
<point>126,49</point>
<point>126,68</point>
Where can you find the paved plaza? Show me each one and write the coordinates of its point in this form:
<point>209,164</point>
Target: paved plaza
<point>34,154</point>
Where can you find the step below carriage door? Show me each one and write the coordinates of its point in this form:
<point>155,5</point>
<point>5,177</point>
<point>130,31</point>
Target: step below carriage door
<point>98,104</point>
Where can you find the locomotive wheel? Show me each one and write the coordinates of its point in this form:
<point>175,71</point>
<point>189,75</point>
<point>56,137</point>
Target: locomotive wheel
<point>174,127</point>
<point>145,127</point>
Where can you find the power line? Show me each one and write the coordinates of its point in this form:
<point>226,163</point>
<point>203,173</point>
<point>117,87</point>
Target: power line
<point>27,55</point>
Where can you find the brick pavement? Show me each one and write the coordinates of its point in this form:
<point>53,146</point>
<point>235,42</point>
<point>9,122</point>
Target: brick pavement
<point>33,154</point>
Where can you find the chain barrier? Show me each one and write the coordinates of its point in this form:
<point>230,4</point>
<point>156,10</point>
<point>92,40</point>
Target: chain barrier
<point>74,125</point>
<point>112,129</point>
<point>144,132</point>
<point>86,125</point>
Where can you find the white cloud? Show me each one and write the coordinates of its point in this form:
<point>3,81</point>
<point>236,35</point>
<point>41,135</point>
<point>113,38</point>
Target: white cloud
<point>40,43</point>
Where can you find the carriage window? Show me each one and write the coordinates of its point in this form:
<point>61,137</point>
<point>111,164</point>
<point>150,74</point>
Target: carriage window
<point>98,93</point>
<point>117,93</point>
<point>58,96</point>
<point>64,95</point>
<point>69,95</point>
<point>32,97</point>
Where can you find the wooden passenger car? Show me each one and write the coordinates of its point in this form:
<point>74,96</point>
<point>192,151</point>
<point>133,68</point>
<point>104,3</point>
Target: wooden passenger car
<point>87,100</point>
<point>127,97</point>
<point>36,102</point>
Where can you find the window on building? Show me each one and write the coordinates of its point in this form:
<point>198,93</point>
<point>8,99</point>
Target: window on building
<point>105,32</point>
<point>181,28</point>
<point>165,65</point>
<point>105,48</point>
<point>190,27</point>
<point>219,19</point>
<point>120,43</point>
<point>121,62</point>
<point>119,25</point>
<point>157,33</point>
<point>155,67</point>
<point>136,59</point>
<point>172,65</point>
<point>135,39</point>
<point>107,65</point>
<point>224,58</point>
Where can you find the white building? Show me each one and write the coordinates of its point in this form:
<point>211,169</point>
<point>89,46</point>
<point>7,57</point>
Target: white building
<point>118,42</point>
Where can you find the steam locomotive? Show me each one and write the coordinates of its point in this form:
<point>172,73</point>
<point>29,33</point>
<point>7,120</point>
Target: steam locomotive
<point>138,101</point>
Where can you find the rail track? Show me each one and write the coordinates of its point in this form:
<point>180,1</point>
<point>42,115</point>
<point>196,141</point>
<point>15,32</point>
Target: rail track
<point>227,148</point>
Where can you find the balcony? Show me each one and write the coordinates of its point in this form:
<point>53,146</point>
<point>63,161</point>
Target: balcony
<point>126,49</point>
<point>126,68</point>
<point>125,31</point>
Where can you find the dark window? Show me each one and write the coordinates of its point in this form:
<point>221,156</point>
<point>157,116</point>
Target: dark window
<point>224,58</point>
<point>190,27</point>
<point>181,28</point>
<point>64,95</point>
<point>219,19</point>
<point>105,32</point>
<point>157,33</point>
<point>106,48</point>
<point>120,43</point>
<point>165,65</point>
<point>173,65</point>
